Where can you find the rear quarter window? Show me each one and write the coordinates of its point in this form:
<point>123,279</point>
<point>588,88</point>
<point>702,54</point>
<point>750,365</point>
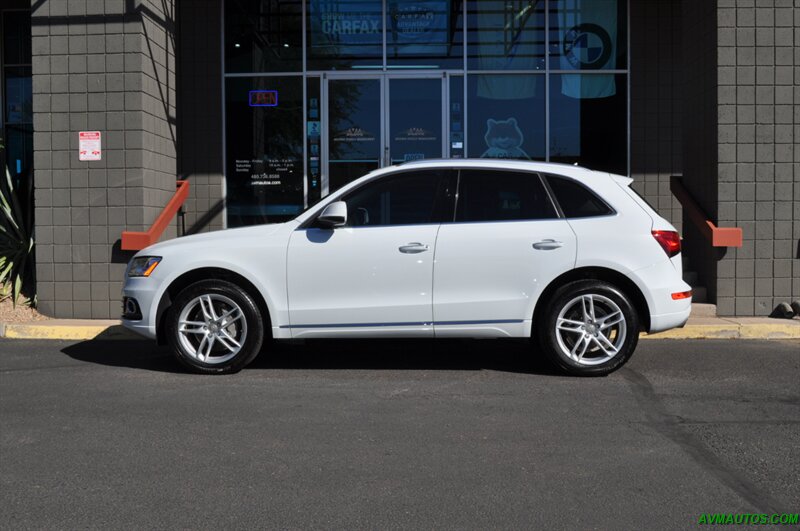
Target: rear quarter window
<point>576,200</point>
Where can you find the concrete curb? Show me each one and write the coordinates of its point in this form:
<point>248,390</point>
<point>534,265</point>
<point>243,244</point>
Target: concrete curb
<point>68,329</point>
<point>697,328</point>
<point>733,328</point>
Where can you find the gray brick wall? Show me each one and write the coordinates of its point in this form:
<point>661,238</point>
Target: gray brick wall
<point>107,66</point>
<point>758,87</point>
<point>200,112</point>
<point>656,105</point>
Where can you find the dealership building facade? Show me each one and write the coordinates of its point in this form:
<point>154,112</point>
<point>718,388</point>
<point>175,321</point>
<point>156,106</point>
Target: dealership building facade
<point>265,106</point>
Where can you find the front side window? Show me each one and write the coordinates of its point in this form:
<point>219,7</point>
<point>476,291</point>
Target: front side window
<point>575,200</point>
<point>411,198</point>
<point>491,195</point>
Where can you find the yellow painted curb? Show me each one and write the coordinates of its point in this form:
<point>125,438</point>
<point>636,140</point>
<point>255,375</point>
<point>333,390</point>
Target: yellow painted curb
<point>769,331</point>
<point>730,331</point>
<point>68,332</point>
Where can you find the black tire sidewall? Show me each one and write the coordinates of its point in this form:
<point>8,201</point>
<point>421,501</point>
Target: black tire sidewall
<point>252,315</point>
<point>546,327</point>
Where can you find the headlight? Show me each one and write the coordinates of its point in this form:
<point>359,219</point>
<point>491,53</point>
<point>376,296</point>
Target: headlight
<point>142,266</point>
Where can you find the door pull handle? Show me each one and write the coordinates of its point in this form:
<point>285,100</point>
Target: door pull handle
<point>413,248</point>
<point>547,245</point>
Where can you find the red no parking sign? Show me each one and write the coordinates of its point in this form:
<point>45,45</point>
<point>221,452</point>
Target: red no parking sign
<point>89,147</point>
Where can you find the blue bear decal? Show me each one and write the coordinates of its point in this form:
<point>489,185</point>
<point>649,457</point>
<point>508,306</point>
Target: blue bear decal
<point>504,140</point>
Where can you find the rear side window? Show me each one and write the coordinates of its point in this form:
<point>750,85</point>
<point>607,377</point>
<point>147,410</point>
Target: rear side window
<point>575,200</point>
<point>487,195</point>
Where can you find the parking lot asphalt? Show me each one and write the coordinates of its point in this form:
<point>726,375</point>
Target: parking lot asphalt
<point>396,434</point>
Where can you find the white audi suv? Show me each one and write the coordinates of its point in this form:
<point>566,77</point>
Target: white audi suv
<point>571,258</point>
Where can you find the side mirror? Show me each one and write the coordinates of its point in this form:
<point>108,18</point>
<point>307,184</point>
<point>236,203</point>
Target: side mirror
<point>333,215</point>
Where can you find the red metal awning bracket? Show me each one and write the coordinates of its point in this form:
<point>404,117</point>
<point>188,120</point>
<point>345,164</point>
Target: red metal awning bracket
<point>718,236</point>
<point>136,241</point>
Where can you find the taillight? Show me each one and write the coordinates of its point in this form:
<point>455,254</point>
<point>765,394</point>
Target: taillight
<point>669,240</point>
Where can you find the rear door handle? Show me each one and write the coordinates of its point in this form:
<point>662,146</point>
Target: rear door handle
<point>413,248</point>
<point>546,245</point>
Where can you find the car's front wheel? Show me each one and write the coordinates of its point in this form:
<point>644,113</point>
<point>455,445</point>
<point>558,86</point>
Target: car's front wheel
<point>215,327</point>
<point>589,328</point>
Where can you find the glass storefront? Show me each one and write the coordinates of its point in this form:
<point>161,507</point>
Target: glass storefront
<point>318,92</point>
<point>17,93</point>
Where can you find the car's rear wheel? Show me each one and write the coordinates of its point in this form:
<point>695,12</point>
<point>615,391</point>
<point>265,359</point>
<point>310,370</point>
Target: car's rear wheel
<point>215,327</point>
<point>589,328</point>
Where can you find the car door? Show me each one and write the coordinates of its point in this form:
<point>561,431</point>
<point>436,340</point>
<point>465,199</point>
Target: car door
<point>506,244</point>
<point>374,275</point>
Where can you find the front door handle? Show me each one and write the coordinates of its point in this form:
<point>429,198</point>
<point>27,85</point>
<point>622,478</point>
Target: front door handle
<point>413,248</point>
<point>546,245</point>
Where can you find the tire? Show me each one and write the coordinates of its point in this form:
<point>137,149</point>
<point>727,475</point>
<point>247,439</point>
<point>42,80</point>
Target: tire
<point>581,345</point>
<point>197,332</point>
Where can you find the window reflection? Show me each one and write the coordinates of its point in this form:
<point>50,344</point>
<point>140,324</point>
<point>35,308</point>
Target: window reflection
<point>506,116</point>
<point>264,165</point>
<point>588,121</point>
<point>313,141</point>
<point>17,96</point>
<point>344,34</point>
<point>505,35</point>
<point>424,34</point>
<point>389,108</point>
<point>457,139</point>
<point>415,119</point>
<point>354,129</point>
<point>263,36</point>
<point>587,34</point>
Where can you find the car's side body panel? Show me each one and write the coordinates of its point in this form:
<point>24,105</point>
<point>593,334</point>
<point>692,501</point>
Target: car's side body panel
<point>352,278</point>
<point>488,276</point>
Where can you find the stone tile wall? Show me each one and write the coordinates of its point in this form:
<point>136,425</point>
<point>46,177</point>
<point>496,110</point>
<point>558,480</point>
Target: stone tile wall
<point>108,66</point>
<point>758,188</point>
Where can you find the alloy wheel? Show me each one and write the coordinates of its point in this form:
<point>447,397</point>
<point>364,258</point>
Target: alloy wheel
<point>212,328</point>
<point>591,329</point>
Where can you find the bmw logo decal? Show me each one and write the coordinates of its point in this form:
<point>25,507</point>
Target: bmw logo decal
<point>587,46</point>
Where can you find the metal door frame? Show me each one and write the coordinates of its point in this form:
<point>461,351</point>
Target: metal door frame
<point>442,77</point>
<point>384,78</point>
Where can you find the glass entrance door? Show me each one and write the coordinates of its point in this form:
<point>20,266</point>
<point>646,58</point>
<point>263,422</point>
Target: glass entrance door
<point>376,120</point>
<point>355,129</point>
<point>415,119</point>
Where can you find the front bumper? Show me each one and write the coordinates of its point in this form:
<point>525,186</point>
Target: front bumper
<point>145,291</point>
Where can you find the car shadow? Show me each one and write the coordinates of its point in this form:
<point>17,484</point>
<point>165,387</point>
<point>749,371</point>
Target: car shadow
<point>132,353</point>
<point>331,354</point>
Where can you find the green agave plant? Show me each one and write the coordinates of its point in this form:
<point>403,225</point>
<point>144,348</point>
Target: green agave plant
<point>16,237</point>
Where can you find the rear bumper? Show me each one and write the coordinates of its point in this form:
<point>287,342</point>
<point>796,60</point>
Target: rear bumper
<point>658,282</point>
<point>665,321</point>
